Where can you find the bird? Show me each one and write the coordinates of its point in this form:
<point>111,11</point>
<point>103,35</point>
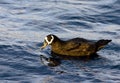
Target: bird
<point>76,47</point>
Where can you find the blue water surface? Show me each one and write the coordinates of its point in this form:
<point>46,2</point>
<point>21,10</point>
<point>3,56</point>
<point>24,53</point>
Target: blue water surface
<point>25,23</point>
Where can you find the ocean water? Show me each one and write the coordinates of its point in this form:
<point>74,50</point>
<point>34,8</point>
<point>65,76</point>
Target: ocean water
<point>25,23</point>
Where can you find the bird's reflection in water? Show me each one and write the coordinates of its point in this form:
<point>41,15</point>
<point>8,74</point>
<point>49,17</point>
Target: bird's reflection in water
<point>55,59</point>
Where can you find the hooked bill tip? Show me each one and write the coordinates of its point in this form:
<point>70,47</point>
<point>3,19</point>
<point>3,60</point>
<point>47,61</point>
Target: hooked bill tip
<point>42,47</point>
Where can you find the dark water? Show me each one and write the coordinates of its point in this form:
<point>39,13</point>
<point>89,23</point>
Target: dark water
<point>25,23</point>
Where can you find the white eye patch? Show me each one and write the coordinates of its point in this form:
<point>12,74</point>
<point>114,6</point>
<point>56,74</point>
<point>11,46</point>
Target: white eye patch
<point>49,42</point>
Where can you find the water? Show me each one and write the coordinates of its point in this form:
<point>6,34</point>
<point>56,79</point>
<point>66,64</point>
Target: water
<point>25,23</point>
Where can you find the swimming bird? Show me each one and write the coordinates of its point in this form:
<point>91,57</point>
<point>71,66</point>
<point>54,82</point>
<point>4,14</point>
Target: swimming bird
<point>76,47</point>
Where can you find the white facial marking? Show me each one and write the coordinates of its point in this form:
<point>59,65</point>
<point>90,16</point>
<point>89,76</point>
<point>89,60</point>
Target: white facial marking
<point>49,42</point>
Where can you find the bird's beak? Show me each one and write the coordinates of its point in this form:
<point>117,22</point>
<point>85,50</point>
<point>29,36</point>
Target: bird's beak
<point>44,45</point>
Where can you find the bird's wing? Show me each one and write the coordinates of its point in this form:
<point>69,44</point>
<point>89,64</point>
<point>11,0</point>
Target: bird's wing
<point>72,46</point>
<point>77,43</point>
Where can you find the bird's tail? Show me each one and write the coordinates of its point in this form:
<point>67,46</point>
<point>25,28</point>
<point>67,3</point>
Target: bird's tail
<point>101,43</point>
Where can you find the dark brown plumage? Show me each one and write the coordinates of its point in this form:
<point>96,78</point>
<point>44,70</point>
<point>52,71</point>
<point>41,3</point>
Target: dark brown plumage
<point>73,47</point>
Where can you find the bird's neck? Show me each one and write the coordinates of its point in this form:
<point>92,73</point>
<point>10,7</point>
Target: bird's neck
<point>57,45</point>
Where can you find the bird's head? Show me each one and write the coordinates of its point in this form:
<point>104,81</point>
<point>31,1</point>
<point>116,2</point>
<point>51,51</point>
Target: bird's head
<point>48,40</point>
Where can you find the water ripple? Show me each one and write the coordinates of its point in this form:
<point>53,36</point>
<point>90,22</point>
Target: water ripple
<point>25,23</point>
